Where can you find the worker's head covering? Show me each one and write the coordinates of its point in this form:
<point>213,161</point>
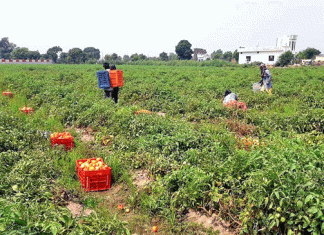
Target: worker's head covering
<point>106,65</point>
<point>227,92</point>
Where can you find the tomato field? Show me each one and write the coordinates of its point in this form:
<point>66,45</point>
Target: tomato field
<point>260,170</point>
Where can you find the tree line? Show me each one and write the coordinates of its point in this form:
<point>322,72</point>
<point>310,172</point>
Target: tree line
<point>9,50</point>
<point>289,58</point>
<point>91,55</point>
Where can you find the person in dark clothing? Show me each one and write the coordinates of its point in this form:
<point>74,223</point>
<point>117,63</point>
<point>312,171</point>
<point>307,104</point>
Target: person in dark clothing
<point>109,90</point>
<point>114,94</point>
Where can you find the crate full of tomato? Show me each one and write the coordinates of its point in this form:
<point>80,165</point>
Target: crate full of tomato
<point>93,174</point>
<point>26,109</point>
<point>63,138</point>
<point>7,93</point>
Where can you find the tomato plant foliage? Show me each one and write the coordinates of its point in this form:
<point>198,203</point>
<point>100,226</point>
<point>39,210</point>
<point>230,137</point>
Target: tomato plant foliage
<point>193,151</point>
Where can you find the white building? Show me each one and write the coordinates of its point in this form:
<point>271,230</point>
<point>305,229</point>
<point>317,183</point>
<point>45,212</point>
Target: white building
<point>200,54</point>
<point>319,58</point>
<point>203,57</point>
<point>268,55</point>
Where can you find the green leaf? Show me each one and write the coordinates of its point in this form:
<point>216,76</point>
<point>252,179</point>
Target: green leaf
<point>272,224</point>
<point>271,204</point>
<point>312,210</point>
<point>54,229</point>
<point>299,204</point>
<point>277,194</point>
<point>266,201</point>
<point>21,222</point>
<point>306,221</point>
<point>308,198</point>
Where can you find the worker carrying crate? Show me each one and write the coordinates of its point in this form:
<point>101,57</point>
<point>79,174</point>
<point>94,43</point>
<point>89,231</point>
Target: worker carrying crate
<point>110,80</point>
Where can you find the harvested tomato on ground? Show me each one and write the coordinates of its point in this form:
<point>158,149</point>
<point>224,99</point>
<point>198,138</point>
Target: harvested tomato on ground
<point>154,229</point>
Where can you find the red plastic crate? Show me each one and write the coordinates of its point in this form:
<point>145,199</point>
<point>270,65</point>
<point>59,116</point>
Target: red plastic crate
<point>93,180</point>
<point>7,93</point>
<point>64,138</point>
<point>26,110</point>
<point>116,78</point>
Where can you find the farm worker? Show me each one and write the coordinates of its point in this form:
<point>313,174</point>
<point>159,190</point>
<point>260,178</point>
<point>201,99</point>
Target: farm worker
<point>262,68</point>
<point>229,97</point>
<point>115,90</point>
<point>266,79</point>
<point>108,90</point>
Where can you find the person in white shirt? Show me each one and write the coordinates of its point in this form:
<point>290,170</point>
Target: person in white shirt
<point>229,96</point>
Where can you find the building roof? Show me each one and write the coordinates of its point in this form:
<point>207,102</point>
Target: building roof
<point>261,49</point>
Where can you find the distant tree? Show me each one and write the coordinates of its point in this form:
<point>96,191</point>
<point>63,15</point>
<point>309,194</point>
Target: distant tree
<point>63,58</point>
<point>6,48</point>
<point>126,58</point>
<point>20,53</point>
<point>76,56</point>
<point>236,55</point>
<point>163,56</point>
<point>135,57</point>
<point>285,58</point>
<point>45,56</point>
<point>227,56</point>
<point>310,53</point>
<point>217,55</point>
<point>53,53</point>
<point>142,57</point>
<point>183,50</point>
<point>114,56</point>
<point>91,53</point>
<point>34,55</point>
<point>107,58</point>
<point>173,56</point>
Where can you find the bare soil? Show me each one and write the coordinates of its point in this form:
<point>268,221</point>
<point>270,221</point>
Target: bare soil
<point>141,178</point>
<point>77,209</point>
<point>209,221</point>
<point>87,135</point>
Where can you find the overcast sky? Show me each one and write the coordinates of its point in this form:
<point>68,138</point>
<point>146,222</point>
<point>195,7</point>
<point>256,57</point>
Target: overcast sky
<point>151,27</point>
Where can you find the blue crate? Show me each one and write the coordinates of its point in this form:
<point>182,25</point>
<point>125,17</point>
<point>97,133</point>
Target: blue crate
<point>103,79</point>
